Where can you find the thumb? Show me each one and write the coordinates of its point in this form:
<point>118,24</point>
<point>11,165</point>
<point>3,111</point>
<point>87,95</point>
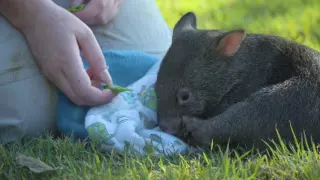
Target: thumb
<point>93,54</point>
<point>76,2</point>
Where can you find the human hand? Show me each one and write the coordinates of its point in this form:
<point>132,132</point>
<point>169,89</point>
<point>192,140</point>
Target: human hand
<point>55,38</point>
<point>97,12</point>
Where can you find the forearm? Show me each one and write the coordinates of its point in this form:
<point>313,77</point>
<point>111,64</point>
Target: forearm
<point>20,12</point>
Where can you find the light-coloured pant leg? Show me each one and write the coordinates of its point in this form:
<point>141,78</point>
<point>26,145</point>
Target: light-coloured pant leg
<point>28,100</point>
<point>138,26</point>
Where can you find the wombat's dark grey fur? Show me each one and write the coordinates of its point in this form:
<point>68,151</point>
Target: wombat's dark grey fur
<point>229,85</point>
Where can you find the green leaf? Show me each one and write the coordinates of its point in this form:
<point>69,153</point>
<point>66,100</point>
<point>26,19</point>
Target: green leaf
<point>116,89</point>
<point>77,8</point>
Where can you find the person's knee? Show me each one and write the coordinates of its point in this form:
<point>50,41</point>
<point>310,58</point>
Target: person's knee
<point>139,25</point>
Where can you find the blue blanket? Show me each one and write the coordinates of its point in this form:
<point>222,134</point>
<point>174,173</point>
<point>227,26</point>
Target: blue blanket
<point>125,68</point>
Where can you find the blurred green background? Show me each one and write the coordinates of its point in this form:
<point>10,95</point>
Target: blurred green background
<point>298,20</point>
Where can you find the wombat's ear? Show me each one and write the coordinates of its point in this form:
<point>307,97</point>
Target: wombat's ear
<point>187,21</point>
<point>230,42</point>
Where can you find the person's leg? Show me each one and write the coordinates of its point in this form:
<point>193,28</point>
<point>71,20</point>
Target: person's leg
<point>138,26</point>
<point>28,100</point>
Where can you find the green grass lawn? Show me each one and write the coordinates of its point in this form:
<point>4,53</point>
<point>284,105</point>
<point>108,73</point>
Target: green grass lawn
<point>295,19</point>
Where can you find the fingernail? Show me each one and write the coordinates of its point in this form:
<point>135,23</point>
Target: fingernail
<point>76,3</point>
<point>106,77</point>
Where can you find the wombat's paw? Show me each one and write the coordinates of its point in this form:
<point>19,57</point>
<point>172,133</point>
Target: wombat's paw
<point>191,124</point>
<point>196,131</point>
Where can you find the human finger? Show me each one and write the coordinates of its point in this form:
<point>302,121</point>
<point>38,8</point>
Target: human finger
<point>80,82</point>
<point>59,79</point>
<point>93,12</point>
<point>76,2</point>
<point>84,91</point>
<point>93,54</point>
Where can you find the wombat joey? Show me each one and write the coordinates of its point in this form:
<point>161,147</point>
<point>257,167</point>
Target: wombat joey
<point>236,87</point>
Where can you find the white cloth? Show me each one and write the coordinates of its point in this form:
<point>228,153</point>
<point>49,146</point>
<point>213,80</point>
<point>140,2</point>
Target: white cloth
<point>131,119</point>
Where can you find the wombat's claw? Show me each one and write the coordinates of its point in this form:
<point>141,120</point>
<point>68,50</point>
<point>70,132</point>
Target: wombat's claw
<point>183,132</point>
<point>194,130</point>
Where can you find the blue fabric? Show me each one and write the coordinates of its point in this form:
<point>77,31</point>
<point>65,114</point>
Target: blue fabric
<point>125,68</point>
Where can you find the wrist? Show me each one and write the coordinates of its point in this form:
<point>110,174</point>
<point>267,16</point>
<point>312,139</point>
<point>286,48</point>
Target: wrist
<point>20,13</point>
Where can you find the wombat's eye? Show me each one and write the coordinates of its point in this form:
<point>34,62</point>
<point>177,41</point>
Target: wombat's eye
<point>183,96</point>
